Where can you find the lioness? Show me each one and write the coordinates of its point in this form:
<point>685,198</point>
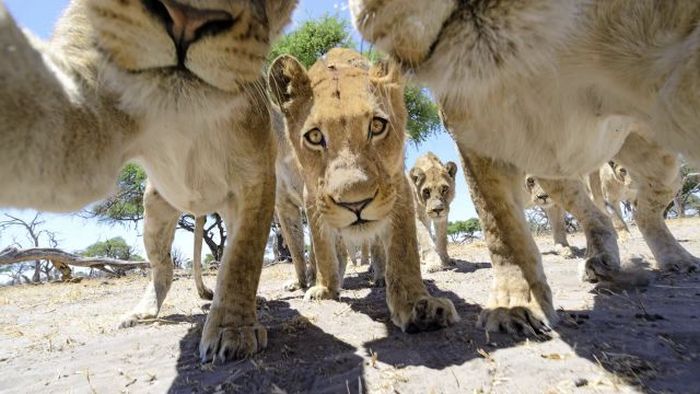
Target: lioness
<point>616,185</point>
<point>174,85</point>
<point>433,187</point>
<point>346,123</point>
<point>554,88</point>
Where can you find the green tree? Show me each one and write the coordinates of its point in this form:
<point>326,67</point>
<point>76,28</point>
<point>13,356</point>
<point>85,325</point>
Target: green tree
<point>126,206</point>
<point>423,115</point>
<point>115,248</point>
<point>316,37</point>
<point>464,228</point>
<point>313,39</point>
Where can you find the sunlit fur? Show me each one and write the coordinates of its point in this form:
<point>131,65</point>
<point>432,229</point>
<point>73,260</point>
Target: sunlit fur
<point>433,187</point>
<point>555,88</point>
<point>339,96</point>
<point>107,89</point>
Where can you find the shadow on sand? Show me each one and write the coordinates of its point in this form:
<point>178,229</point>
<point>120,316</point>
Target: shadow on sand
<point>300,357</point>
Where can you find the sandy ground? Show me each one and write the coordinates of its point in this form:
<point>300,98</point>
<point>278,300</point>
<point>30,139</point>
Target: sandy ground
<point>62,337</point>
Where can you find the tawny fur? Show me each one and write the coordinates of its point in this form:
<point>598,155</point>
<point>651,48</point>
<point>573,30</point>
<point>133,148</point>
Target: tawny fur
<point>346,122</point>
<point>554,88</point>
<point>111,87</point>
<point>433,187</point>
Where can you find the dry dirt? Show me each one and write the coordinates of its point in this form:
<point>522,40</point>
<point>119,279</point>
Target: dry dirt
<point>62,337</point>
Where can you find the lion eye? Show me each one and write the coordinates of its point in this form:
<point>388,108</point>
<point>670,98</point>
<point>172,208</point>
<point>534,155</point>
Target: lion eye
<point>315,138</point>
<point>530,182</point>
<point>377,126</point>
<point>426,194</point>
<point>444,190</point>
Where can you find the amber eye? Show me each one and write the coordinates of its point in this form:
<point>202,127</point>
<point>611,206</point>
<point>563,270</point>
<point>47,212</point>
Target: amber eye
<point>426,194</point>
<point>315,138</point>
<point>377,127</point>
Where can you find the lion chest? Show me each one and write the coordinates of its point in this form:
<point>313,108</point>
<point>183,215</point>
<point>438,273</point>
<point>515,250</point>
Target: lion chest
<point>197,167</point>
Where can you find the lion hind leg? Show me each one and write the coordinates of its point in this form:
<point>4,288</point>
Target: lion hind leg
<point>657,171</point>
<point>603,255</point>
<point>204,292</point>
<point>160,219</point>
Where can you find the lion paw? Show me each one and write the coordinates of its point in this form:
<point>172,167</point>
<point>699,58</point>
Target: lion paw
<point>294,285</point>
<point>683,265</point>
<point>600,268</point>
<point>227,341</point>
<point>440,266</point>
<point>206,294</point>
<point>517,321</point>
<point>135,318</point>
<point>320,293</point>
<point>428,314</point>
<point>142,312</point>
<point>565,251</point>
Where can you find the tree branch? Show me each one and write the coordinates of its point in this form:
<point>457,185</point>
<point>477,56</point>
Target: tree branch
<point>13,255</point>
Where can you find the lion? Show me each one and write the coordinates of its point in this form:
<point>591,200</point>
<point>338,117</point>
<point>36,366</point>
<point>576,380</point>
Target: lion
<point>346,122</point>
<point>535,196</point>
<point>433,187</point>
<point>554,88</point>
<point>153,82</point>
<point>611,185</point>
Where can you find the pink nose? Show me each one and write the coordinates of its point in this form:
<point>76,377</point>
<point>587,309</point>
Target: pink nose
<point>187,24</point>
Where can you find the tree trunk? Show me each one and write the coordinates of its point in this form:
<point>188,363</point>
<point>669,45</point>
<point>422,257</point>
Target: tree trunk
<point>36,278</point>
<point>678,204</point>
<point>13,255</point>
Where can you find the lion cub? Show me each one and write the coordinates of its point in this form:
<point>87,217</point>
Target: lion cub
<point>345,120</point>
<point>433,191</point>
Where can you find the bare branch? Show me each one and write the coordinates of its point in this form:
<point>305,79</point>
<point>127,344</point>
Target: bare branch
<point>14,255</point>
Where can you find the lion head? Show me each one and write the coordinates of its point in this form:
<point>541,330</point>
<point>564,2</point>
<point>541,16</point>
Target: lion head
<point>535,194</point>
<point>345,120</point>
<point>434,185</point>
<point>183,46</point>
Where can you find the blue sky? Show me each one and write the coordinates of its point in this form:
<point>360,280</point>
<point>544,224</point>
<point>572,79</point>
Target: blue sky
<point>74,233</point>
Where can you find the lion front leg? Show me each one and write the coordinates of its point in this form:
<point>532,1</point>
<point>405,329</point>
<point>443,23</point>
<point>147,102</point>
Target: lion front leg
<point>412,308</point>
<point>603,255</point>
<point>293,233</point>
<point>657,173</point>
<point>232,329</point>
<point>556,215</point>
<point>160,219</point>
<point>324,244</point>
<point>521,300</point>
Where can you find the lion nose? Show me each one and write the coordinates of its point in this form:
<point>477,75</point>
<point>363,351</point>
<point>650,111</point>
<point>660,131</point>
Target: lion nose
<point>438,211</point>
<point>356,207</point>
<point>543,196</point>
<point>186,24</point>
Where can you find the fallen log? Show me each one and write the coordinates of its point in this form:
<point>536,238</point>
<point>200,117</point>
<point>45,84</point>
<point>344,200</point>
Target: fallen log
<point>13,255</point>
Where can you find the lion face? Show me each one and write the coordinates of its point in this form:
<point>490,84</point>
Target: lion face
<point>434,185</point>
<point>620,173</point>
<point>188,43</point>
<point>345,121</point>
<point>537,195</point>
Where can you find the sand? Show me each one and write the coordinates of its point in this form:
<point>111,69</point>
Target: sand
<point>63,337</point>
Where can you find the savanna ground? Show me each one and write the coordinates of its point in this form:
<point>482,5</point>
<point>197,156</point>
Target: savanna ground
<point>62,337</point>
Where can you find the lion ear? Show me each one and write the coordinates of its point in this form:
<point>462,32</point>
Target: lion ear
<point>288,82</point>
<point>385,72</point>
<point>451,169</point>
<point>417,176</point>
